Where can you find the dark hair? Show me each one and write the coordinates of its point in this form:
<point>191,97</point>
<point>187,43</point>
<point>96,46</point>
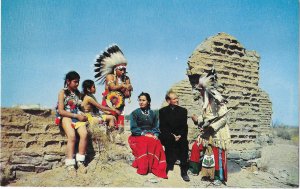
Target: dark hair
<point>71,75</point>
<point>194,79</point>
<point>147,97</point>
<point>87,84</point>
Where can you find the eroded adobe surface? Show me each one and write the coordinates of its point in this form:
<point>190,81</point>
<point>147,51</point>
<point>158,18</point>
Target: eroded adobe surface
<point>238,71</point>
<point>31,142</point>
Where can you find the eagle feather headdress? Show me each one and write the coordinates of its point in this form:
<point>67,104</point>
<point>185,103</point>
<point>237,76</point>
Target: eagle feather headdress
<point>208,84</point>
<point>107,61</point>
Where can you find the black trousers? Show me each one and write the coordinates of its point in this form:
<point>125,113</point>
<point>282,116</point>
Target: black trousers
<point>177,150</point>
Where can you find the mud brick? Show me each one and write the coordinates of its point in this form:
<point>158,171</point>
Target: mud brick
<point>42,119</point>
<point>6,144</point>
<point>31,144</point>
<point>5,118</point>
<point>53,157</point>
<point>7,152</point>
<point>52,128</point>
<point>19,144</point>
<point>27,153</point>
<point>243,163</point>
<point>36,127</point>
<point>58,136</point>
<point>251,154</point>
<point>29,136</point>
<point>14,126</point>
<point>26,160</point>
<point>56,132</point>
<point>11,135</point>
<point>25,167</point>
<point>51,148</point>
<point>4,158</point>
<point>20,118</point>
<point>54,152</point>
<point>52,143</point>
<point>233,155</point>
<point>39,169</point>
<point>44,137</point>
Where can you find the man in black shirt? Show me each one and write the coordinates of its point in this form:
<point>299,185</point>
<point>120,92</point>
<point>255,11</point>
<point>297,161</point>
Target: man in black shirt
<point>174,130</point>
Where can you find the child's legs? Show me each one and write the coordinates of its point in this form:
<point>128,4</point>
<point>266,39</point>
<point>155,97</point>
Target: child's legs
<point>110,119</point>
<point>70,132</point>
<point>83,139</point>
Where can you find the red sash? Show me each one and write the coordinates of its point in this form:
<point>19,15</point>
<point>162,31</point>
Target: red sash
<point>224,161</point>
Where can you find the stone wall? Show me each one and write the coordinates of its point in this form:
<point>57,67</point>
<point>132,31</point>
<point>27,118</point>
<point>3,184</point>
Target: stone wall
<point>31,142</point>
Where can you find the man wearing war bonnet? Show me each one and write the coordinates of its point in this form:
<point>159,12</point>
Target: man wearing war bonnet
<point>213,125</point>
<point>110,68</point>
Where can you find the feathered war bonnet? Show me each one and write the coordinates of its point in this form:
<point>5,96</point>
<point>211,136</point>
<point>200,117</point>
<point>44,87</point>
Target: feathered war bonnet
<point>107,61</point>
<point>207,85</point>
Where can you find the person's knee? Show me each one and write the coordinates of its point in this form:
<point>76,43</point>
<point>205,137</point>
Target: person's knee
<point>113,118</point>
<point>109,118</point>
<point>71,137</point>
<point>83,134</point>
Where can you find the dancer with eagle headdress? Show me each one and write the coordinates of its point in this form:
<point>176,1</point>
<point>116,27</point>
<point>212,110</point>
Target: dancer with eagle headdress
<point>110,69</point>
<point>214,139</point>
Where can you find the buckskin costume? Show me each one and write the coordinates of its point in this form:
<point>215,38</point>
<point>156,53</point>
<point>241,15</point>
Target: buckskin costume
<point>148,152</point>
<point>215,130</point>
<point>106,65</point>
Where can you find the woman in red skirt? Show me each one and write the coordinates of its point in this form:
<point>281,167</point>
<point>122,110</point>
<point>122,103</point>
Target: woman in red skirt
<point>146,147</point>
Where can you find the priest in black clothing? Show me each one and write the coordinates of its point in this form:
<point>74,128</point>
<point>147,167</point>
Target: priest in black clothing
<point>174,130</point>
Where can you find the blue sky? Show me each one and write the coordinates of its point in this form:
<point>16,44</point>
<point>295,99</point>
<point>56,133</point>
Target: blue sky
<point>44,39</point>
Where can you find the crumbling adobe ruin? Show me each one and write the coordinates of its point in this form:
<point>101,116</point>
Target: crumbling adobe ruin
<point>238,71</point>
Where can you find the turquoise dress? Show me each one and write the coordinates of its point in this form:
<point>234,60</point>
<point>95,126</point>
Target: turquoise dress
<point>143,122</point>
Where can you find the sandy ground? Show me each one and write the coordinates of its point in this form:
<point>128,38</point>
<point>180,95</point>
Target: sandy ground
<point>279,168</point>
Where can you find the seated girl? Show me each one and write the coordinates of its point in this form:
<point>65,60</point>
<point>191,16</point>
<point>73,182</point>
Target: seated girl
<point>91,107</point>
<point>146,147</point>
<point>71,120</point>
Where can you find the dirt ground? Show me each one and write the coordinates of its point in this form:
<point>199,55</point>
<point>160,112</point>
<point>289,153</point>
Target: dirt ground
<point>279,168</point>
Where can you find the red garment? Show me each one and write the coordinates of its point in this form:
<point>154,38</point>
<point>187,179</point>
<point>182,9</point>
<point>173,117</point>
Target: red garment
<point>195,153</point>
<point>149,156</point>
<point>224,161</point>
